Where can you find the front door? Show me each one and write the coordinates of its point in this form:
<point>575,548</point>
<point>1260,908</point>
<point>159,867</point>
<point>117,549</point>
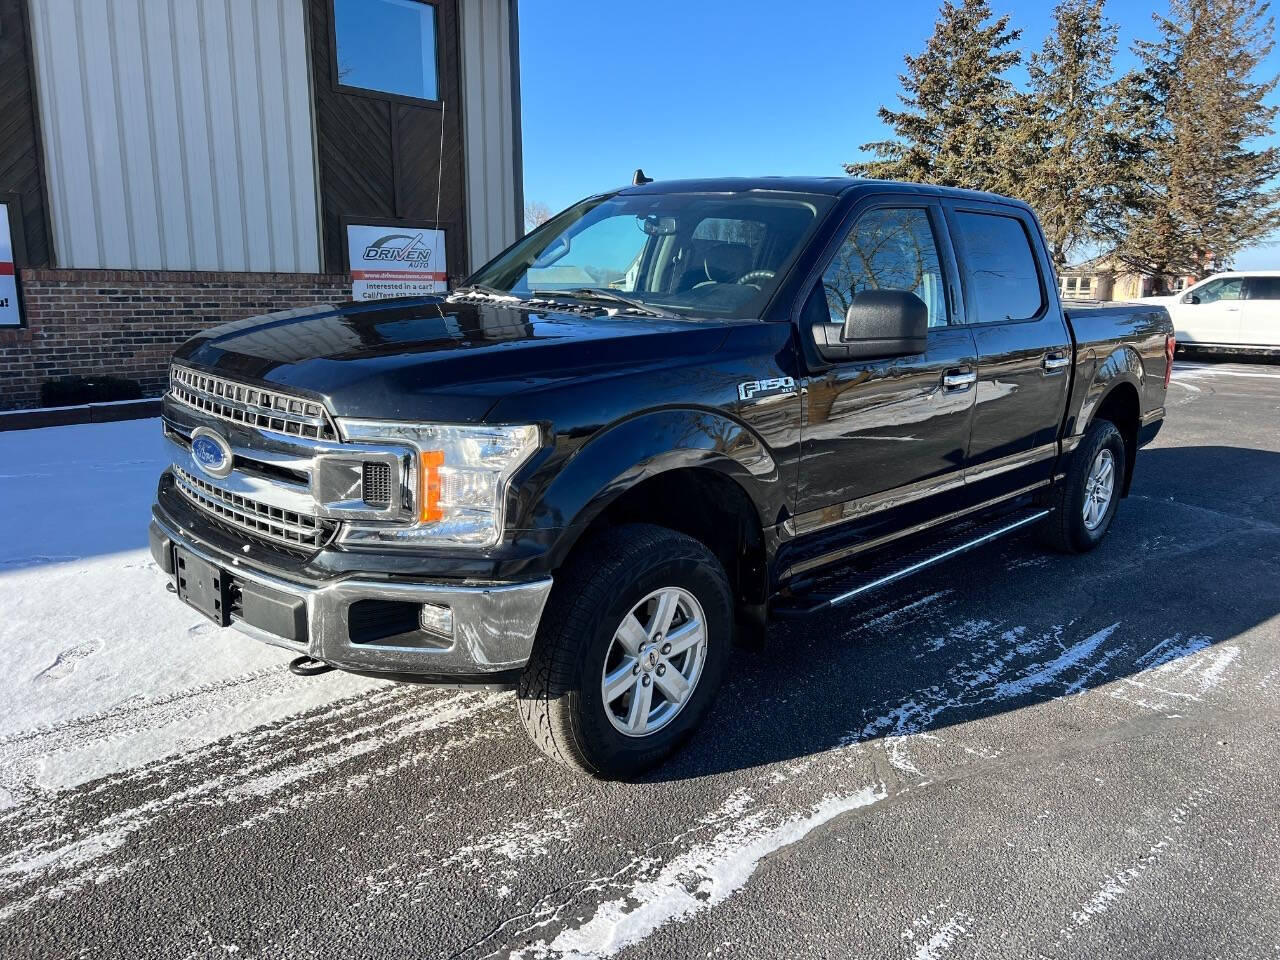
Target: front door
<point>1023,344</point>
<point>1211,312</point>
<point>881,437</point>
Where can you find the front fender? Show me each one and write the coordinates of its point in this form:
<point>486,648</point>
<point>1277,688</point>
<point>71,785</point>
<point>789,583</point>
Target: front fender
<point>620,456</point>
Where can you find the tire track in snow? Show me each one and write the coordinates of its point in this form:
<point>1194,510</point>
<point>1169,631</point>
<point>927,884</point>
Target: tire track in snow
<point>1178,669</point>
<point>96,737</point>
<point>699,879</point>
<point>933,940</point>
<point>1122,880</point>
<point>66,841</point>
<point>611,912</point>
<point>703,867</point>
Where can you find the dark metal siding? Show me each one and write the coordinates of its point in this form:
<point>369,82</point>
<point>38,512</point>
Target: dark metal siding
<point>21,166</point>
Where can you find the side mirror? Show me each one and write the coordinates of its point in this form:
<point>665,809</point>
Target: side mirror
<point>879,323</point>
<point>1190,298</point>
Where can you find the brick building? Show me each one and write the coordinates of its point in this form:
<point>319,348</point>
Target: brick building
<point>166,165</point>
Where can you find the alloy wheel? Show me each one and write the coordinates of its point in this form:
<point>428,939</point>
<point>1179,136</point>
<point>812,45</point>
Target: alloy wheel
<point>1099,488</point>
<point>654,661</point>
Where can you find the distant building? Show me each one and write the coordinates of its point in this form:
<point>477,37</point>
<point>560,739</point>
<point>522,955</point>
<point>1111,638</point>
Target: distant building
<point>1103,279</point>
<point>166,166</point>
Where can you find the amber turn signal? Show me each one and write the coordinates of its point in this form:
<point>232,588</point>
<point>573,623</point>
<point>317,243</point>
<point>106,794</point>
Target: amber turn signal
<point>429,486</point>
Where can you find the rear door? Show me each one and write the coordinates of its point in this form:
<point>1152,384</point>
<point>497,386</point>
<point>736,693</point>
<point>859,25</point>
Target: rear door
<point>1260,323</point>
<point>1023,346</point>
<point>879,435</point>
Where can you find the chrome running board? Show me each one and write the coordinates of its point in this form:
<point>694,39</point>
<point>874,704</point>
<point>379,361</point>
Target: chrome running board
<point>840,587</point>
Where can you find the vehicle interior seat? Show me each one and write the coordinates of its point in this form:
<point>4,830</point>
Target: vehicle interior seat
<point>716,261</point>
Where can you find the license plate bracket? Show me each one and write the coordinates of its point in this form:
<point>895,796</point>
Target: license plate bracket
<point>203,586</point>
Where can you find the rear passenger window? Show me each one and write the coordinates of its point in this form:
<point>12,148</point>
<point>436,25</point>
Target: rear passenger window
<point>1264,288</point>
<point>999,267</point>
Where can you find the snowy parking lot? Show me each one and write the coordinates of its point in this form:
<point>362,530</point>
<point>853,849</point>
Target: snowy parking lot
<point>1019,754</point>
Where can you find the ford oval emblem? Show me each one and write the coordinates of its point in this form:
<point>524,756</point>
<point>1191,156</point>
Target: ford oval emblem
<point>211,453</point>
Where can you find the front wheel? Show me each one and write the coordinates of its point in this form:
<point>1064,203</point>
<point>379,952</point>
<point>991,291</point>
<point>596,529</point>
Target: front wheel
<point>1083,505</point>
<point>630,653</point>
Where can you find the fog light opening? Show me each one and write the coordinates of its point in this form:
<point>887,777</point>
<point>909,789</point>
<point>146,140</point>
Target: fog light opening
<point>438,619</point>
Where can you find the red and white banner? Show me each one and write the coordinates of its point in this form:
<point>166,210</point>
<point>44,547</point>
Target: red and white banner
<point>10,315</point>
<point>396,262</point>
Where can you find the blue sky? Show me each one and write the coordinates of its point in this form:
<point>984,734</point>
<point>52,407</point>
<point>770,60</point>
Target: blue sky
<point>715,88</point>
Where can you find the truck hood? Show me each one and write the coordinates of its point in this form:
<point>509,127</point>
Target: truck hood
<point>431,359</point>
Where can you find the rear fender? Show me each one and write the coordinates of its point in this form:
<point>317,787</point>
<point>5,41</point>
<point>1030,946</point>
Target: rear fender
<point>1122,365</point>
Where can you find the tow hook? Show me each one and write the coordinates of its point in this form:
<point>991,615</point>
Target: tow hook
<point>308,667</point>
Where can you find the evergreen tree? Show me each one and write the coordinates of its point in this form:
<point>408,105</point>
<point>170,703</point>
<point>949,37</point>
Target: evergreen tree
<point>1200,189</point>
<point>957,101</point>
<point>1060,155</point>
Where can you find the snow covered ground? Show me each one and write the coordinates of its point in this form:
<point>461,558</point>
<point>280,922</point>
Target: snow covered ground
<point>101,670</point>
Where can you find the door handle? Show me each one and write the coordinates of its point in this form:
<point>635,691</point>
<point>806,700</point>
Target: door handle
<point>1055,361</point>
<point>958,379</point>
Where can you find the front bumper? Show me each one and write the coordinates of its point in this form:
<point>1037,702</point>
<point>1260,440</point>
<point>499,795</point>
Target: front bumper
<point>494,625</point>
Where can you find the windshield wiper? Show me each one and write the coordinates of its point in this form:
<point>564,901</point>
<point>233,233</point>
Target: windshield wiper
<point>602,294</point>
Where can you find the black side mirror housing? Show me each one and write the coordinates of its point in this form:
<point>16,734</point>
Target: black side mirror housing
<point>878,324</point>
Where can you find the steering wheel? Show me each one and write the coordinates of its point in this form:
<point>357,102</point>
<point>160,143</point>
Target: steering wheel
<point>750,278</point>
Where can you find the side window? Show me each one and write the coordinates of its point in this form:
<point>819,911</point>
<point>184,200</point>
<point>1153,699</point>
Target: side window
<point>387,46</point>
<point>999,267</point>
<point>1264,288</point>
<point>1229,288</point>
<point>889,249</point>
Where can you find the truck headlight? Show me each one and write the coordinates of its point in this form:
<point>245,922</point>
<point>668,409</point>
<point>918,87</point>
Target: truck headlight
<point>456,481</point>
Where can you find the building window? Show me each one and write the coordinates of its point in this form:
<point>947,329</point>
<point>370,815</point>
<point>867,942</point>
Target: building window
<point>387,46</point>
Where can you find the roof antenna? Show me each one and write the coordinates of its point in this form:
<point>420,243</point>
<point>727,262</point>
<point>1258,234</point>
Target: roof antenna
<point>638,178</point>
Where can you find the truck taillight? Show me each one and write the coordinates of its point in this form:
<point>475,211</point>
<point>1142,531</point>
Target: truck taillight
<point>1170,344</point>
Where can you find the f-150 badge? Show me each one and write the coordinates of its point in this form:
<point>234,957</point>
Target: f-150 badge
<point>756,388</point>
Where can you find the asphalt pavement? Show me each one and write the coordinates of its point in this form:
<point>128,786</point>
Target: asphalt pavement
<point>1019,754</point>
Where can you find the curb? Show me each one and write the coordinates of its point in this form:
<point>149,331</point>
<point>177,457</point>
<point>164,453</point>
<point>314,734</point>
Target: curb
<point>83,413</point>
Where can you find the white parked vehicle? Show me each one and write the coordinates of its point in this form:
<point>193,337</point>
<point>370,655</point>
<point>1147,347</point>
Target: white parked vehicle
<point>1235,311</point>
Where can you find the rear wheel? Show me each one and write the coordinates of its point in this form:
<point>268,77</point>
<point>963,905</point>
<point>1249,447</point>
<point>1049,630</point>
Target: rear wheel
<point>630,653</point>
<point>1084,503</point>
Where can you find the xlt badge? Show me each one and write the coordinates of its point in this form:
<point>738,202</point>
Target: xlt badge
<point>754,388</point>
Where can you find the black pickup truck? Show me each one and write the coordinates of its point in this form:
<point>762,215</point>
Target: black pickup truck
<point>669,414</point>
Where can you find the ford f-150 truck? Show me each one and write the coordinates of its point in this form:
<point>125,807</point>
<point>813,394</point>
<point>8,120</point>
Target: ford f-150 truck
<point>669,414</point>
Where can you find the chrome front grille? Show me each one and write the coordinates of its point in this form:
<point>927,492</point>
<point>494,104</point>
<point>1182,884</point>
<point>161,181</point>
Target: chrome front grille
<point>299,531</point>
<point>254,406</point>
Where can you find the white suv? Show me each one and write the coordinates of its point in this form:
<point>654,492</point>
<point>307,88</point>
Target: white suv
<point>1232,311</point>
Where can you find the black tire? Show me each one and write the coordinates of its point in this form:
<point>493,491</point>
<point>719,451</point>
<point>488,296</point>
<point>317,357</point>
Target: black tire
<point>559,695</point>
<point>1065,528</point>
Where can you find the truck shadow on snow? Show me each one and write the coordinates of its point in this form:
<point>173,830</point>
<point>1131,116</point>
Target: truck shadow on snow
<point>1150,620</point>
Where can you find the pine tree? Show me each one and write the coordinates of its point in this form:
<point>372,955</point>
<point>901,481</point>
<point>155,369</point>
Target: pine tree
<point>1194,112</point>
<point>957,100</point>
<point>1060,155</point>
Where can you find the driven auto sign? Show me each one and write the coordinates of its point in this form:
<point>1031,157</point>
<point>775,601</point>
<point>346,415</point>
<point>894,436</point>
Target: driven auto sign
<point>395,262</point>
<point>10,315</point>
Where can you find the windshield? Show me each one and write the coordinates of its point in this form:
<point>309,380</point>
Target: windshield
<point>692,254</point>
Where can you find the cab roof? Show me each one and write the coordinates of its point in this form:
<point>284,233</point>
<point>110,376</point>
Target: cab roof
<point>831,186</point>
